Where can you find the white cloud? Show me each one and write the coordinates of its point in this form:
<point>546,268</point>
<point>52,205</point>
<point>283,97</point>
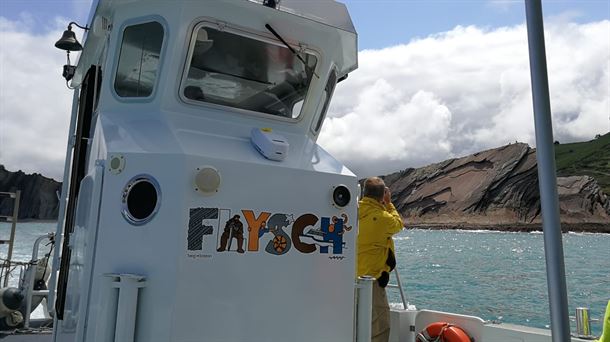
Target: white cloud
<point>466,90</point>
<point>34,100</point>
<point>434,98</point>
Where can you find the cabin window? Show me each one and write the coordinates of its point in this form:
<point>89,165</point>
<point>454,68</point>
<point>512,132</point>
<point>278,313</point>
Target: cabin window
<point>139,60</point>
<point>241,72</point>
<point>326,96</point>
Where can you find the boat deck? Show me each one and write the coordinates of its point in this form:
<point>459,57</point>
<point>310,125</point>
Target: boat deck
<point>45,336</point>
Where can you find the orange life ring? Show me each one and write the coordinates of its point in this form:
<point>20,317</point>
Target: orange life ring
<point>443,332</point>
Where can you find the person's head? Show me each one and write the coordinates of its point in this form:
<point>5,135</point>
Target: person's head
<point>374,187</point>
<point>236,217</point>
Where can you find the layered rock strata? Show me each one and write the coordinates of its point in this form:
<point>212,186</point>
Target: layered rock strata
<point>493,187</point>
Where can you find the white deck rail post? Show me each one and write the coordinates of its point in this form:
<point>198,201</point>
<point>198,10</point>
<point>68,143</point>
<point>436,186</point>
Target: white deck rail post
<point>364,317</point>
<point>129,285</point>
<point>545,154</point>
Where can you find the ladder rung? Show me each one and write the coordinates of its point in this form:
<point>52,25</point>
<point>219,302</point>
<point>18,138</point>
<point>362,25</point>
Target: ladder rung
<point>2,242</point>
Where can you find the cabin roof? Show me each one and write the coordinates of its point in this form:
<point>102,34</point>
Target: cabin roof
<point>327,12</point>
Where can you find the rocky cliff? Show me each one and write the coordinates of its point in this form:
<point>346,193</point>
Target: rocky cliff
<point>493,187</point>
<point>38,195</point>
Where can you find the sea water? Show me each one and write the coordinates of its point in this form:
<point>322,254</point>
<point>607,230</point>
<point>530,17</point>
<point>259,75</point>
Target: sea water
<point>500,276</point>
<point>493,275</point>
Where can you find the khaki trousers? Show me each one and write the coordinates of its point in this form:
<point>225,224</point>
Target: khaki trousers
<point>380,331</point>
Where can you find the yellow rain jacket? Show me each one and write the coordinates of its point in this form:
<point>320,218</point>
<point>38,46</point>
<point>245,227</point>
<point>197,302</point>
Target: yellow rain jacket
<point>606,326</point>
<point>376,225</point>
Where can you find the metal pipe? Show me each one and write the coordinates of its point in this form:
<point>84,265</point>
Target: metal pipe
<point>9,256</point>
<point>365,309</point>
<point>5,268</point>
<point>31,276</point>
<point>545,154</point>
<point>403,297</point>
<point>62,206</point>
<point>583,326</point>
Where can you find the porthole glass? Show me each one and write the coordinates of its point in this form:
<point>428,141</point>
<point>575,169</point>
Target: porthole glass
<point>141,198</point>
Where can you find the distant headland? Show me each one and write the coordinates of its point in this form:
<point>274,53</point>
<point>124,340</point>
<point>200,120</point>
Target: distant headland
<point>496,189</point>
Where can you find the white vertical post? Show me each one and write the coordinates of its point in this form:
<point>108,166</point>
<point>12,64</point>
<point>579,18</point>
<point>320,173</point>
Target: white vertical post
<point>128,285</point>
<point>365,309</point>
<point>105,325</point>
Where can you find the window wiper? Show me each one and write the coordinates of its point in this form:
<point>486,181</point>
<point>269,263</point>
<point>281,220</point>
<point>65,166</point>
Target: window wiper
<point>296,54</point>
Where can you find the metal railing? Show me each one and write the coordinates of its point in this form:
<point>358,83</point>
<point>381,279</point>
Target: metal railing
<point>398,285</point>
<point>30,278</point>
<point>583,324</point>
<point>7,265</point>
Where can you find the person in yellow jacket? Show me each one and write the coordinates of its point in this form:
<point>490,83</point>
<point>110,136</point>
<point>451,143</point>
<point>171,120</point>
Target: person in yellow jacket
<point>378,221</point>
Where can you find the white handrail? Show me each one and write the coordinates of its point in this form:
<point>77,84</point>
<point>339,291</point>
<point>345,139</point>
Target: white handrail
<point>398,285</point>
<point>31,276</point>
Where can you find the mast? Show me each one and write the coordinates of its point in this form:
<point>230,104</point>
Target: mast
<point>545,154</point>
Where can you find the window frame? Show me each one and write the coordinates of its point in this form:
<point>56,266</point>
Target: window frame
<point>224,27</point>
<point>117,56</point>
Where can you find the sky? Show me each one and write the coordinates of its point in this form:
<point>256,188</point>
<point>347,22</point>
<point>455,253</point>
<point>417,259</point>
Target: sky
<point>436,80</point>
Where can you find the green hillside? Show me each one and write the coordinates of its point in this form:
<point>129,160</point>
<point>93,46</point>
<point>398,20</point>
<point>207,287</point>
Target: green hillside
<point>591,158</point>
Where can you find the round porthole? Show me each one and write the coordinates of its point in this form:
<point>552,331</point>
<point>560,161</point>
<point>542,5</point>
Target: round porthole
<point>141,198</point>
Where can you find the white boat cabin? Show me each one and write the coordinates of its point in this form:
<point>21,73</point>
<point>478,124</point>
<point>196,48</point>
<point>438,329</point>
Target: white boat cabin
<point>203,208</point>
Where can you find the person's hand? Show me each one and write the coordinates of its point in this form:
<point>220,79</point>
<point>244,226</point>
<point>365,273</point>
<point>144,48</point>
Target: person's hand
<point>387,196</point>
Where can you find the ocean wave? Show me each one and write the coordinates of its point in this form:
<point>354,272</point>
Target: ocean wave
<point>485,231</point>
<point>476,231</point>
<point>584,233</point>
<point>400,238</point>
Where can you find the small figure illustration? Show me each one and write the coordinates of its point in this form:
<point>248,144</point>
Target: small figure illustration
<point>263,229</point>
<point>233,229</point>
<point>280,244</point>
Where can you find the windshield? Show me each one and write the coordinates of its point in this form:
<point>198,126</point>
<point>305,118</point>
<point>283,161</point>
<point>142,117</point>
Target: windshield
<point>242,72</point>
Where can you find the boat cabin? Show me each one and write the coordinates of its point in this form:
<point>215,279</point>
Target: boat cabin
<point>199,206</point>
